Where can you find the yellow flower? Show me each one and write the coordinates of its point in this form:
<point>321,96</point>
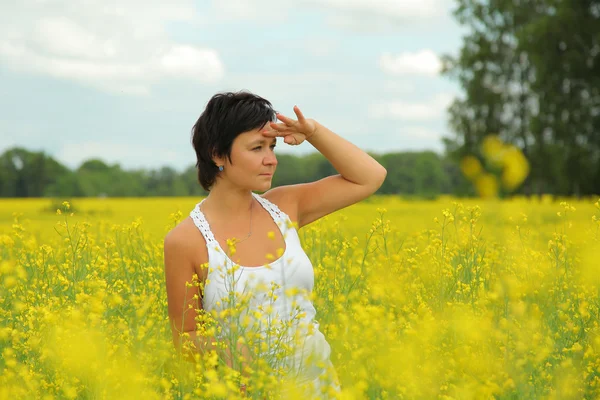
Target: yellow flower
<point>493,150</point>
<point>487,186</point>
<point>470,167</point>
<point>217,389</point>
<point>516,168</point>
<point>115,300</point>
<point>10,282</point>
<point>6,267</point>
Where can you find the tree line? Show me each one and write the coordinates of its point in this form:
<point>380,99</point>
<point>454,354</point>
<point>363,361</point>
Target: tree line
<point>26,173</point>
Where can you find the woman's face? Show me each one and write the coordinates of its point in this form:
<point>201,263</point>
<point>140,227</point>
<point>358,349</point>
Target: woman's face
<point>254,160</point>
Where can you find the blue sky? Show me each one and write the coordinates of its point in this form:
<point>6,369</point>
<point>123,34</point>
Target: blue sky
<point>124,81</point>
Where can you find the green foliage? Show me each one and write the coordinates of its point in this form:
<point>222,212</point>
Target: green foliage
<point>425,174</point>
<point>530,73</point>
<point>26,174</point>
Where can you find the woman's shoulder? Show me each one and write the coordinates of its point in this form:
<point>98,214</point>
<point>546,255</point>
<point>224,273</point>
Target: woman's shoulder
<point>184,237</point>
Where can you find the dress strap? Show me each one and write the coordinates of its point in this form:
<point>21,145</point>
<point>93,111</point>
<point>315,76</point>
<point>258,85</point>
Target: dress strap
<point>202,224</point>
<point>281,219</point>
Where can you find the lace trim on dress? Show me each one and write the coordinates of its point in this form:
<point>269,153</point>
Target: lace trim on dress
<point>200,221</point>
<point>279,216</point>
<point>202,225</point>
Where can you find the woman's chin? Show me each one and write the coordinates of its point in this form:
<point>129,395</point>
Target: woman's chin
<point>265,185</point>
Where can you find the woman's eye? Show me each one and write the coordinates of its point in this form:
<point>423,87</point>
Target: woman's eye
<point>258,148</point>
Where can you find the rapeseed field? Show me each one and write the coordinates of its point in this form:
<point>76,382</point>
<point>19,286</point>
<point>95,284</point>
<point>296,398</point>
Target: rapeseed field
<point>445,299</point>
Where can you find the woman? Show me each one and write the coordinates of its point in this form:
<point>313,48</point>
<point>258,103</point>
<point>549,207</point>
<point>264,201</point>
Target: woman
<point>254,278</point>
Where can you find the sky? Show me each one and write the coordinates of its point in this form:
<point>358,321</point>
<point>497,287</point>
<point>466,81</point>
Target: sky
<point>125,80</point>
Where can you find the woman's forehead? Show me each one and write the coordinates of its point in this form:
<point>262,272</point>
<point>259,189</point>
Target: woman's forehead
<point>254,135</point>
<point>257,131</point>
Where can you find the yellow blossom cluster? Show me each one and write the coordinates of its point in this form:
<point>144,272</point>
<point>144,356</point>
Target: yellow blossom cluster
<point>507,159</point>
<point>417,300</point>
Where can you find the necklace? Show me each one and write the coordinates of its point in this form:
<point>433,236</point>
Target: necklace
<point>250,230</point>
<point>236,240</point>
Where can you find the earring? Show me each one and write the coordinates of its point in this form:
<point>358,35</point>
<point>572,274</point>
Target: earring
<point>220,168</point>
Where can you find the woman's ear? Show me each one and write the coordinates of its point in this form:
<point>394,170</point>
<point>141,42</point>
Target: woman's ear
<point>218,160</point>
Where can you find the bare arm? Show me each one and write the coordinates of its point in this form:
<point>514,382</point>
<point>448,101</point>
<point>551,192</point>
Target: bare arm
<point>353,164</point>
<point>360,175</point>
<point>183,295</point>
<point>184,302</point>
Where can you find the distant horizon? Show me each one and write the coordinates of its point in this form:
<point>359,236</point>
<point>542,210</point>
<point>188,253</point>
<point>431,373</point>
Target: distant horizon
<point>192,163</point>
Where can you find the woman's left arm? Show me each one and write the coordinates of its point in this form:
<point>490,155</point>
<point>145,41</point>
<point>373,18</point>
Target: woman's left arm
<point>360,175</point>
<point>351,162</point>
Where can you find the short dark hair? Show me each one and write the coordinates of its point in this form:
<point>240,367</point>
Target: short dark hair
<point>226,116</point>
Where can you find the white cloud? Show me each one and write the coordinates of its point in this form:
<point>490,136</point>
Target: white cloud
<point>396,9</point>
<point>269,11</point>
<point>423,62</point>
<point>383,15</point>
<point>111,45</point>
<point>412,111</point>
<point>183,60</point>
<point>363,15</point>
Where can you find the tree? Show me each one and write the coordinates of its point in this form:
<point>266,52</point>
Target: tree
<point>190,179</point>
<point>28,174</point>
<point>529,71</point>
<point>564,44</point>
<point>495,75</point>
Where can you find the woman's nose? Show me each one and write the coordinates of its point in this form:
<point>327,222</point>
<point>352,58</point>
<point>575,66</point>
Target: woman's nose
<point>270,159</point>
